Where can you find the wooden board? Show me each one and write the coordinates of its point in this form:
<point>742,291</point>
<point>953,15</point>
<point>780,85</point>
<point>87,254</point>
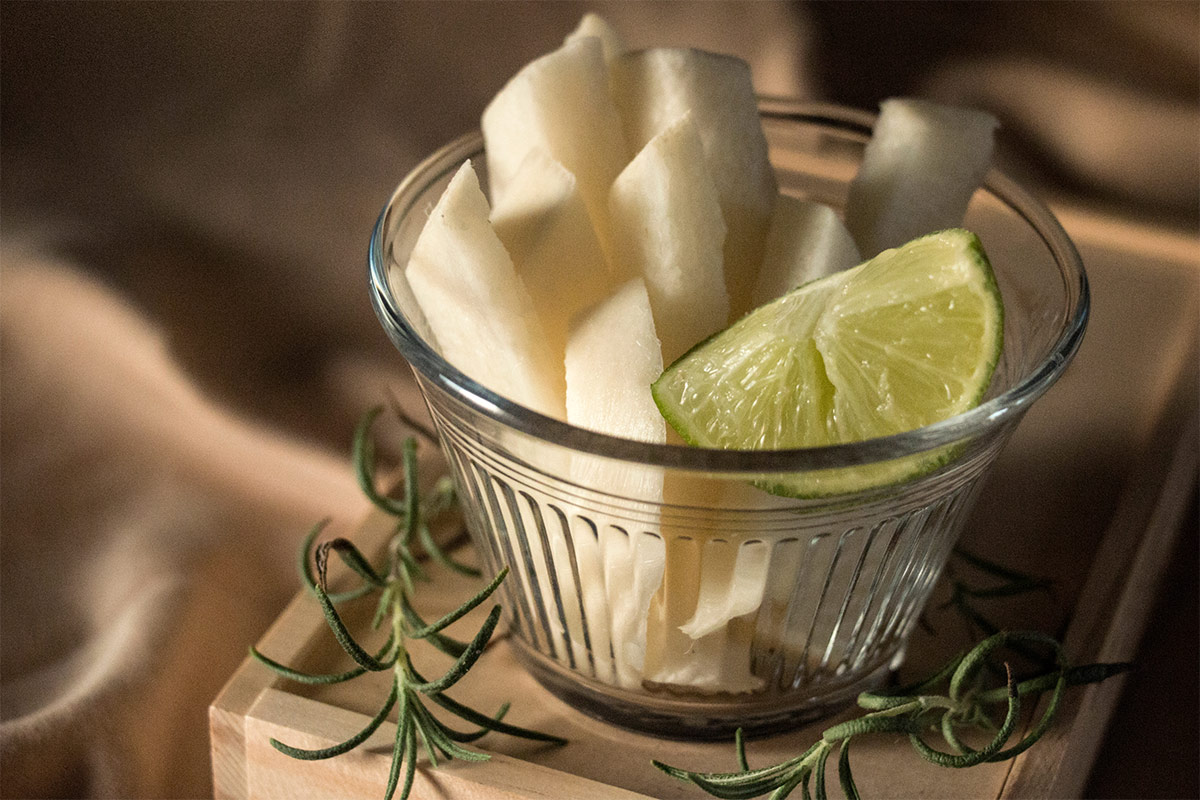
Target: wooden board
<point>1089,492</point>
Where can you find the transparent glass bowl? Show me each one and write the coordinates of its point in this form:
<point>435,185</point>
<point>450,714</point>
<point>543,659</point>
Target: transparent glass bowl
<point>652,585</point>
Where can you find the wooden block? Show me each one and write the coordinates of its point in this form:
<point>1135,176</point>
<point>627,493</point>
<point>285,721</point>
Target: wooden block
<point>1091,492</point>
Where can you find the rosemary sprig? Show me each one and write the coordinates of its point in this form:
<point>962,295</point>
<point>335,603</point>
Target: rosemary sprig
<point>416,727</point>
<point>916,711</point>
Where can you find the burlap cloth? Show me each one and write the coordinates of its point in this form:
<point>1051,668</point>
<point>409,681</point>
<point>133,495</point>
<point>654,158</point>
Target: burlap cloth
<point>187,341</point>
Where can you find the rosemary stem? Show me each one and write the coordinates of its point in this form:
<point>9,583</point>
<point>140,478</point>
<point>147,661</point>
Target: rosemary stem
<point>916,705</point>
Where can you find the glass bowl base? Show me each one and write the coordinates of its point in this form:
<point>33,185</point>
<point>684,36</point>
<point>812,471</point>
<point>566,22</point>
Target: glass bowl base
<point>690,716</point>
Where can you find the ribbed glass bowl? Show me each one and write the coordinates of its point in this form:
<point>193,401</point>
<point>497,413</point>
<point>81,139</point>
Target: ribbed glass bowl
<point>616,547</point>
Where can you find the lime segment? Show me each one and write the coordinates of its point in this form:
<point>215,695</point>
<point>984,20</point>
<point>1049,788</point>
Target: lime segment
<point>906,339</point>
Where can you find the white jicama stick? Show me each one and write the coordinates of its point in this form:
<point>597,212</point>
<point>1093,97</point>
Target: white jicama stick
<point>702,623</point>
<point>560,103</point>
<point>544,224</point>
<point>666,223</point>
<point>633,571</point>
<point>652,88</point>
<point>611,41</point>
<point>729,588</point>
<point>712,664</point>
<point>919,170</point>
<point>807,240</point>
<point>409,305</point>
<point>667,227</point>
<point>485,324</point>
<point>574,547</point>
<point>477,307</point>
<point>718,660</point>
<point>612,357</point>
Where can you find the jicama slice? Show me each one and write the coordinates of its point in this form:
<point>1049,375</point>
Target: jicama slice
<point>719,660</point>
<point>579,575</point>
<point>544,224</point>
<point>807,240</point>
<point>700,632</point>
<point>477,307</point>
<point>633,571</point>
<point>714,664</point>
<point>592,24</point>
<point>667,227</point>
<point>919,170</point>
<point>612,357</point>
<point>729,587</point>
<point>652,88</point>
<point>409,305</point>
<point>560,103</point>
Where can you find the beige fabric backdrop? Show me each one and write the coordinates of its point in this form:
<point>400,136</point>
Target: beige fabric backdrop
<point>185,336</point>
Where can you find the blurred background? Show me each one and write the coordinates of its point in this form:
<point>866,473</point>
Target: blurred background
<point>186,193</point>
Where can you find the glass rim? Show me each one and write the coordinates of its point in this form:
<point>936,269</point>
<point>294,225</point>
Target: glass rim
<point>986,416</point>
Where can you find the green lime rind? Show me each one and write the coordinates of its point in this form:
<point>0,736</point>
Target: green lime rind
<point>905,339</point>
<point>838,481</point>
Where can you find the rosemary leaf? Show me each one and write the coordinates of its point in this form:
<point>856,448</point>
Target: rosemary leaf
<point>480,732</point>
<point>444,739</point>
<point>346,746</point>
<point>364,463</point>
<point>400,757</point>
<point>461,611</point>
<point>305,549</point>
<point>412,569</point>
<point>972,757</point>
<point>431,750</point>
<point>819,774</point>
<point>1042,726</point>
<point>466,660</point>
<point>469,714</point>
<point>787,787</point>
<point>353,558</point>
<point>1075,676</point>
<point>306,572</point>
<point>410,760</point>
<point>745,784</point>
<point>384,606</point>
<point>888,698</point>
<point>730,791</point>
<point>345,639</point>
<point>412,489</point>
<point>950,734</point>
<point>873,723</point>
<point>845,776</point>
<point>440,556</point>
<point>319,678</point>
<point>446,644</point>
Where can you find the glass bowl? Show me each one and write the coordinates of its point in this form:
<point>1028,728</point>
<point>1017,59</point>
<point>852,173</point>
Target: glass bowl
<point>651,585</point>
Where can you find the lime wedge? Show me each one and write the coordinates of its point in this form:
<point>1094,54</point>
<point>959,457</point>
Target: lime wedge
<point>901,341</point>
